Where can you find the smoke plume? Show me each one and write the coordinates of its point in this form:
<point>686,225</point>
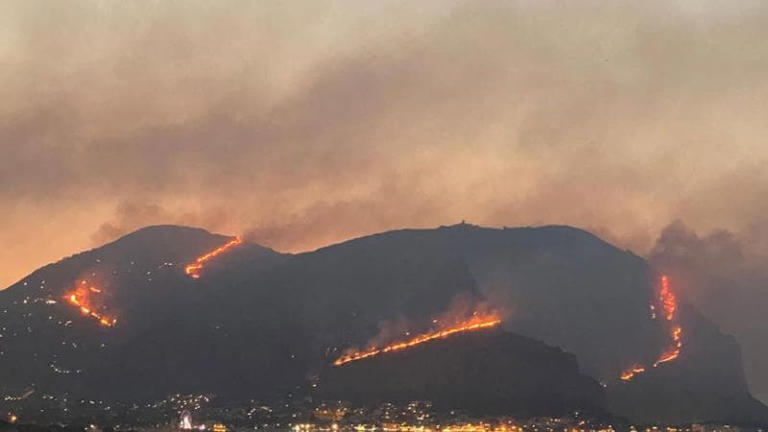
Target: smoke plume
<point>723,273</point>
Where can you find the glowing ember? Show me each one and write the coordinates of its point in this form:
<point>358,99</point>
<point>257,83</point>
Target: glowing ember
<point>194,269</point>
<point>631,372</point>
<point>79,299</point>
<point>475,323</point>
<point>669,305</point>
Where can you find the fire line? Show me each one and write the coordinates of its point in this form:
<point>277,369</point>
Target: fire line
<point>474,323</point>
<point>669,305</point>
<point>194,269</point>
<point>79,299</point>
<point>631,372</point>
<point>668,300</point>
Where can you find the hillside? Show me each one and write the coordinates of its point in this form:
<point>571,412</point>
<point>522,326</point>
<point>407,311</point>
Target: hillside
<point>488,372</point>
<point>48,344</point>
<point>261,324</point>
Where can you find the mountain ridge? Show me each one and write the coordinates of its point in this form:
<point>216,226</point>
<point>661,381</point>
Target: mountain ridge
<point>274,318</point>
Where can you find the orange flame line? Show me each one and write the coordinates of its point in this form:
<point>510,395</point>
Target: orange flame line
<point>193,270</point>
<point>668,299</point>
<point>673,352</point>
<point>631,372</point>
<point>669,304</point>
<point>469,325</point>
<point>86,310</point>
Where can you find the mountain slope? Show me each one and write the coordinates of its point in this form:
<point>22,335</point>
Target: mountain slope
<point>707,384</point>
<point>258,324</point>
<point>48,343</point>
<point>484,372</point>
<point>560,285</point>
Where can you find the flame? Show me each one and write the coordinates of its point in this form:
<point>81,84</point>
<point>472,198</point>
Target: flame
<point>668,300</point>
<point>79,299</point>
<point>669,306</point>
<point>631,372</point>
<point>472,324</point>
<point>674,351</point>
<point>194,269</point>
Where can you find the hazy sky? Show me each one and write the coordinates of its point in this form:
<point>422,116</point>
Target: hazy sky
<point>305,123</point>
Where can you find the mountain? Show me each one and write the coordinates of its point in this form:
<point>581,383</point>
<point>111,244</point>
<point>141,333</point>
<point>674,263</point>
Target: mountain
<point>259,324</point>
<point>48,345</point>
<point>706,384</point>
<point>490,372</point>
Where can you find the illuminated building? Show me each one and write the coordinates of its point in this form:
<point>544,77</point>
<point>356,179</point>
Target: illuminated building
<point>186,421</point>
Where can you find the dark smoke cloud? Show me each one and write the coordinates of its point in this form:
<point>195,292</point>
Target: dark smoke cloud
<point>724,274</point>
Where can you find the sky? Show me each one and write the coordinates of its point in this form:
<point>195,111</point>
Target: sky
<point>299,124</point>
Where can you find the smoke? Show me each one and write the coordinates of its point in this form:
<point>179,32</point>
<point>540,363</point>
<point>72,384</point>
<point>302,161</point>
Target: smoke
<point>462,308</point>
<point>307,123</point>
<point>465,309</point>
<point>334,120</point>
<point>723,273</point>
<point>130,216</point>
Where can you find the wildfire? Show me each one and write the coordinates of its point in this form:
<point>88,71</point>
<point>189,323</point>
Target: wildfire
<point>668,300</point>
<point>79,299</point>
<point>194,269</point>
<point>669,305</point>
<point>472,324</point>
<point>674,351</point>
<point>631,372</point>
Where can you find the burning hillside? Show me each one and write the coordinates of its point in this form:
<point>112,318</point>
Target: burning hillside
<point>81,299</point>
<point>194,269</point>
<point>669,306</point>
<point>477,322</point>
<point>274,337</point>
<point>483,372</point>
<point>87,296</point>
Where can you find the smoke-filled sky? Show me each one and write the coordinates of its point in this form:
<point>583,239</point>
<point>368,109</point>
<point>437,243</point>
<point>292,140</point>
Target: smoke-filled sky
<point>305,123</point>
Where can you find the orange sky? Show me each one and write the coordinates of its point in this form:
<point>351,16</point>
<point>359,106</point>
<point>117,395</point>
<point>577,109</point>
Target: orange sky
<point>300,126</point>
